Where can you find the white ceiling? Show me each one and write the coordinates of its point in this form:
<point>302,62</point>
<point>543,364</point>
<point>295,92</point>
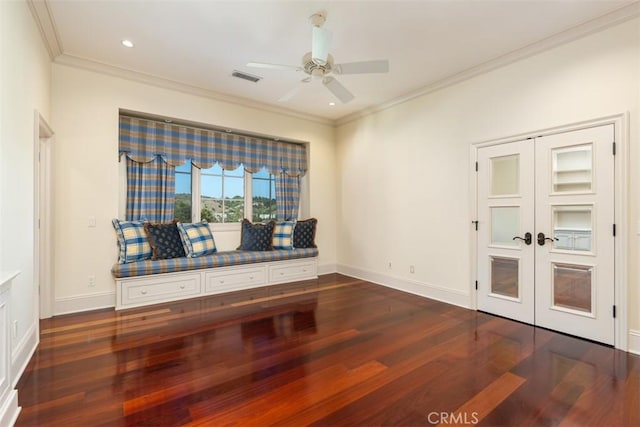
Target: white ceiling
<point>200,43</point>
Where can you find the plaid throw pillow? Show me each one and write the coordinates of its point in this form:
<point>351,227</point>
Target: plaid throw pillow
<point>283,235</point>
<point>164,240</point>
<point>133,243</point>
<point>197,239</point>
<point>304,234</point>
<point>256,237</point>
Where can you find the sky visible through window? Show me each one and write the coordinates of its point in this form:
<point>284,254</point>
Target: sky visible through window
<point>212,188</point>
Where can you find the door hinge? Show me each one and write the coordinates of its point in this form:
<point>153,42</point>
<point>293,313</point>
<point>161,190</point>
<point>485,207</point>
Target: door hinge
<point>614,230</point>
<point>614,311</point>
<point>614,148</point>
<point>476,285</point>
<point>476,166</point>
<point>476,224</point>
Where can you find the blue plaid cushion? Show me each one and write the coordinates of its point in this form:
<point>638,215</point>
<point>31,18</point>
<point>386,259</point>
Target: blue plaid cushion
<point>132,241</point>
<point>283,235</point>
<point>197,239</point>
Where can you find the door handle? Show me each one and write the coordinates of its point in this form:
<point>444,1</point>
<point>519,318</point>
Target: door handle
<point>542,239</point>
<point>526,239</point>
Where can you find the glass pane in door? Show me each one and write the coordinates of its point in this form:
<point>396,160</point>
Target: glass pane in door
<point>572,168</point>
<point>572,227</point>
<point>504,277</point>
<point>505,174</point>
<point>572,287</point>
<point>505,225</point>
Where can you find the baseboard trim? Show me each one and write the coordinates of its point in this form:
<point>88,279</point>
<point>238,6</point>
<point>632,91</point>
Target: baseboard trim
<point>22,353</point>
<point>10,410</point>
<point>633,343</point>
<point>79,303</point>
<point>426,290</point>
<point>326,269</point>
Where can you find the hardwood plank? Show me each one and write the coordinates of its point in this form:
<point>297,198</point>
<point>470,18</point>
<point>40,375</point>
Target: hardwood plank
<point>340,351</point>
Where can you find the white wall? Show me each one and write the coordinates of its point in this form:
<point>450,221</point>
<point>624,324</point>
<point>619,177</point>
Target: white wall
<point>404,172</point>
<point>85,108</point>
<point>25,87</point>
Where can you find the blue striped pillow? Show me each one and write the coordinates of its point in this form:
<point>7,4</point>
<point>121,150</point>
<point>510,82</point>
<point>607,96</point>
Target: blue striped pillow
<point>132,241</point>
<point>283,235</point>
<point>197,239</point>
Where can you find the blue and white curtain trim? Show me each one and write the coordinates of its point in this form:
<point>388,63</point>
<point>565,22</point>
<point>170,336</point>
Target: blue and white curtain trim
<point>153,149</point>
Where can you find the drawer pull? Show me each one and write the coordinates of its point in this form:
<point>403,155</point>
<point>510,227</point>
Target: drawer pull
<point>250,277</point>
<point>221,282</point>
<point>143,292</point>
<point>181,286</point>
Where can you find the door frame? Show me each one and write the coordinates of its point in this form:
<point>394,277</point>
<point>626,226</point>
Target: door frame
<point>621,204</point>
<point>42,158</point>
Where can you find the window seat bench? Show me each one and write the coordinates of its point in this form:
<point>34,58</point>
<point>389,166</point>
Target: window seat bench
<point>156,281</point>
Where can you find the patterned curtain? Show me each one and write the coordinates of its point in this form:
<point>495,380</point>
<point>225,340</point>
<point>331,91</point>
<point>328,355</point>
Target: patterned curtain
<point>150,190</point>
<point>143,139</point>
<point>287,197</point>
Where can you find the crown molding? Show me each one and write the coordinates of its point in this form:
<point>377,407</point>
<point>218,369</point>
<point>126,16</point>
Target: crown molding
<point>44,20</point>
<point>611,19</point>
<point>48,31</point>
<point>153,80</point>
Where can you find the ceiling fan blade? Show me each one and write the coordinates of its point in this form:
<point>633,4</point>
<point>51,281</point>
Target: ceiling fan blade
<point>364,67</point>
<point>320,43</point>
<point>273,66</point>
<point>293,92</point>
<point>336,88</point>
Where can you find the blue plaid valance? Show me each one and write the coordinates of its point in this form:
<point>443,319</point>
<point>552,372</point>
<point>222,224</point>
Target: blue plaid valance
<point>142,140</point>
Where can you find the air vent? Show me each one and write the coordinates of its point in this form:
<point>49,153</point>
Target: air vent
<point>245,76</point>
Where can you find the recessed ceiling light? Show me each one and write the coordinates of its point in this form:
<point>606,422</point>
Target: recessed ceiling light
<point>127,43</point>
<point>332,103</point>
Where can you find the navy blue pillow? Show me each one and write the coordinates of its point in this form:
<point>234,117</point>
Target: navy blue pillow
<point>165,240</point>
<point>304,234</point>
<point>256,237</point>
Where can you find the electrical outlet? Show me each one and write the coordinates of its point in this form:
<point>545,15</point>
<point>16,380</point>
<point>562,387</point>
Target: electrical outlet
<point>92,281</point>
<point>389,266</point>
<point>412,269</point>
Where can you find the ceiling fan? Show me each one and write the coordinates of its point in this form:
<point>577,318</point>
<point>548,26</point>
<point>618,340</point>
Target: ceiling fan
<point>318,64</point>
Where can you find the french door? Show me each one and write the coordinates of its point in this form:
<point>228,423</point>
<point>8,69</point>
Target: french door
<point>546,232</point>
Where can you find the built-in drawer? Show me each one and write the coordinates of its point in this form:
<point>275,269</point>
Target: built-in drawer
<point>233,280</point>
<point>168,288</point>
<point>293,270</point>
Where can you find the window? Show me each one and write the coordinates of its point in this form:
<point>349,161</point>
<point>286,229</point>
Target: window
<point>264,196</point>
<point>183,193</point>
<point>223,196</point>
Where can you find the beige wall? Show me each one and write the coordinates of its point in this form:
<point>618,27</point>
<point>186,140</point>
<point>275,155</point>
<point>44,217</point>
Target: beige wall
<point>25,87</point>
<point>404,180</point>
<point>85,108</point>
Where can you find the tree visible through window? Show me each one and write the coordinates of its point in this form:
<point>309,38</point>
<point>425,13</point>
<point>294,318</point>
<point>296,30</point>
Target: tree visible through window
<point>264,196</point>
<point>183,193</point>
<point>222,195</point>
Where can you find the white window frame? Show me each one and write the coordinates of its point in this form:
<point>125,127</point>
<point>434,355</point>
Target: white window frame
<point>196,206</point>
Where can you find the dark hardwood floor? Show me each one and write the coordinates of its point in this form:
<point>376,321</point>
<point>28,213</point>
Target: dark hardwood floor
<point>349,353</point>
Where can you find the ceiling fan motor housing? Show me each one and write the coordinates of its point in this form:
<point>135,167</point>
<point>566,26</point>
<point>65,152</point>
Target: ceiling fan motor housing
<point>313,69</point>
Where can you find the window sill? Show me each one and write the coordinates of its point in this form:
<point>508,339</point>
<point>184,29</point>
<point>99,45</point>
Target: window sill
<point>224,227</point>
